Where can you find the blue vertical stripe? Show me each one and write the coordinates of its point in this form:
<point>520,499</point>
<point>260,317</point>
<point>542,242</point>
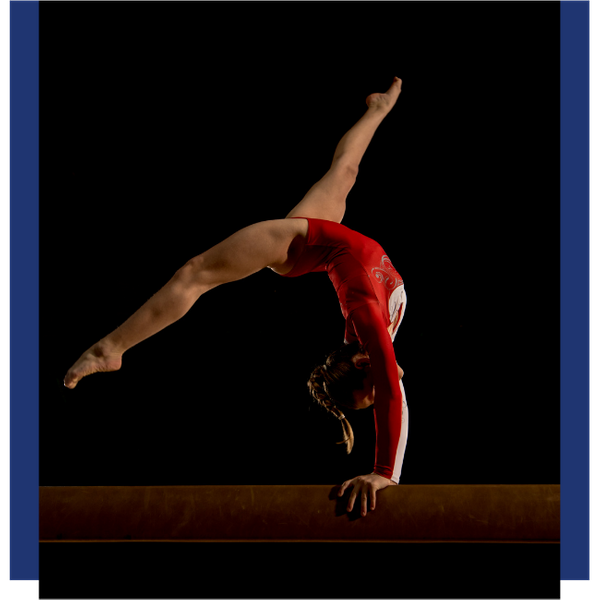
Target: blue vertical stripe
<point>22,304</point>
<point>574,289</point>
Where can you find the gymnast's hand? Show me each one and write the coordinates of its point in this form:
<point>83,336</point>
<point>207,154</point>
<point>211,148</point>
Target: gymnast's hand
<point>367,486</point>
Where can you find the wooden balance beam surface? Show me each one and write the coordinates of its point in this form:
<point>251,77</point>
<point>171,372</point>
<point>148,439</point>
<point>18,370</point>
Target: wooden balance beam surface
<point>404,513</point>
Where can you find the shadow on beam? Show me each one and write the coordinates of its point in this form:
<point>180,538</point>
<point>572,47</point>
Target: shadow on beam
<point>404,513</point>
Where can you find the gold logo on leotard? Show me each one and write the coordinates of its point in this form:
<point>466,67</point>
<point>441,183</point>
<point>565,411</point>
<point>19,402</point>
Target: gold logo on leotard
<point>385,273</point>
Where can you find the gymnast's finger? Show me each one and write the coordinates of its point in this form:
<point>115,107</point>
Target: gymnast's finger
<point>343,487</point>
<point>352,499</point>
<point>364,501</point>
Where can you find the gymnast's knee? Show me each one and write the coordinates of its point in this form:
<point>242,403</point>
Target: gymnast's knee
<point>346,169</point>
<point>194,273</point>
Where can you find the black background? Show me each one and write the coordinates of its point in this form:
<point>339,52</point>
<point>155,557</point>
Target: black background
<point>166,128</point>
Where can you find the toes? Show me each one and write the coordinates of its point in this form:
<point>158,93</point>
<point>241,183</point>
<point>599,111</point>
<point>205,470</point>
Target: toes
<point>71,380</point>
<point>397,83</point>
<point>72,377</point>
<point>69,384</point>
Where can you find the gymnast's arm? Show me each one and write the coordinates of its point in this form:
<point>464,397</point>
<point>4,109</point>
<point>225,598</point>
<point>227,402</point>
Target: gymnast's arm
<point>374,337</point>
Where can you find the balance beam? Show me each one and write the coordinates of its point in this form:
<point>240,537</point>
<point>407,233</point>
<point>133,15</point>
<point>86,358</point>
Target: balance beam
<point>297,513</point>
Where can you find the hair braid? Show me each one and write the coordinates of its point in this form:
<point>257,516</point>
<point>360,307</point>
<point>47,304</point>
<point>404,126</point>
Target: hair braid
<point>329,381</point>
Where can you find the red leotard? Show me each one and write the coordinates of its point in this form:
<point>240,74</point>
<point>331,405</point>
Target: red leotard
<point>365,281</point>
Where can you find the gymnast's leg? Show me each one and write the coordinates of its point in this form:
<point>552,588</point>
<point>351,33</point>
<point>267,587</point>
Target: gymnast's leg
<point>265,244</point>
<point>326,199</point>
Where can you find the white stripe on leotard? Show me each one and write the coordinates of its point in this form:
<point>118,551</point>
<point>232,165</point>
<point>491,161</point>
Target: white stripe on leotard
<point>403,438</point>
<point>397,303</point>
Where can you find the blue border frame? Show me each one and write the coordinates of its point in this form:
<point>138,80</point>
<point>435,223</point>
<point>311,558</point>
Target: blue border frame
<point>24,290</point>
<point>574,291</point>
<point>24,300</point>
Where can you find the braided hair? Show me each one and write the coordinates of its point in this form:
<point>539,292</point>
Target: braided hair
<point>332,383</point>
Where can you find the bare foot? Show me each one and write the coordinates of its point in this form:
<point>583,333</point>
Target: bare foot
<point>98,359</point>
<point>385,102</point>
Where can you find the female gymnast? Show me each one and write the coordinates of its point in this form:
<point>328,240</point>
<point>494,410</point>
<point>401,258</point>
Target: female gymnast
<point>371,294</point>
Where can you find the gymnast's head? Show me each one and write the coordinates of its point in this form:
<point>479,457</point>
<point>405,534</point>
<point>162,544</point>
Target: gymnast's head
<point>344,381</point>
